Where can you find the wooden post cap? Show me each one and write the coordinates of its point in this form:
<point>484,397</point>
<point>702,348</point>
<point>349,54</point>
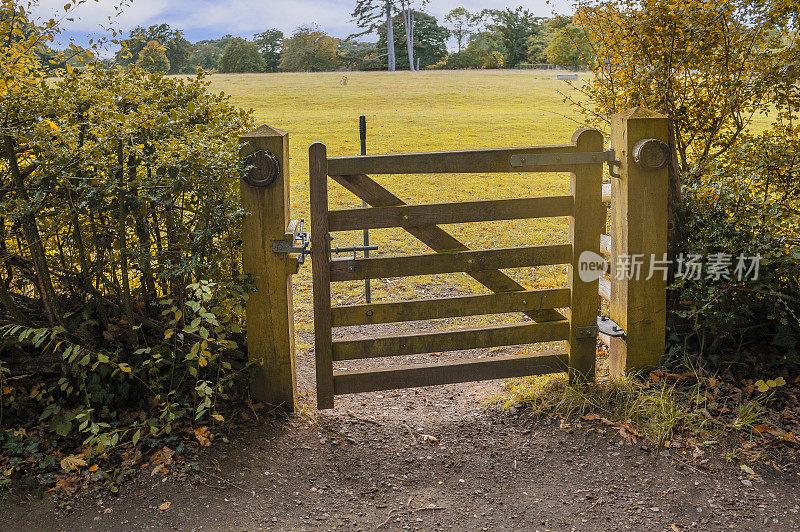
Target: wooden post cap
<point>651,154</point>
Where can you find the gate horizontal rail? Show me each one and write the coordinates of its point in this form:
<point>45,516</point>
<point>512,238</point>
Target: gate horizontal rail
<point>450,213</point>
<point>450,340</point>
<point>450,307</point>
<point>536,159</point>
<point>410,376</point>
<point>459,261</point>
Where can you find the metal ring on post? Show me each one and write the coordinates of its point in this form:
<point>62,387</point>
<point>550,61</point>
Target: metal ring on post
<point>262,168</point>
<point>651,154</point>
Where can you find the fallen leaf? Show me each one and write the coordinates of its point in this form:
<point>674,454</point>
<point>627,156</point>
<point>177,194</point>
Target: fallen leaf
<point>747,469</point>
<point>95,467</point>
<point>427,438</point>
<point>72,462</point>
<point>203,436</point>
<point>162,456</point>
<point>131,458</point>
<point>591,417</point>
<point>164,506</point>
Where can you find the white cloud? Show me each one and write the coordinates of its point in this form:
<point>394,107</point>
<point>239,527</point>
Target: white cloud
<point>210,18</point>
<point>89,16</point>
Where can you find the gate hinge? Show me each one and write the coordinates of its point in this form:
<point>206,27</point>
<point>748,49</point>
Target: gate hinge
<point>609,327</point>
<point>605,325</point>
<point>297,241</point>
<point>560,159</point>
<point>590,331</point>
<point>613,163</point>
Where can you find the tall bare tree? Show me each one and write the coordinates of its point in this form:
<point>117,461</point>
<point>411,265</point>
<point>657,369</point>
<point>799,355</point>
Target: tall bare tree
<point>369,14</point>
<point>408,22</point>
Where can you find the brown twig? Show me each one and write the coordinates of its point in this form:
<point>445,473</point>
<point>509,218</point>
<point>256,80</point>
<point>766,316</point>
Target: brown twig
<point>398,511</point>
<point>207,472</point>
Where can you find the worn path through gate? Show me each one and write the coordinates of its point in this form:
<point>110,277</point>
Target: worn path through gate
<point>430,458</point>
<point>373,458</point>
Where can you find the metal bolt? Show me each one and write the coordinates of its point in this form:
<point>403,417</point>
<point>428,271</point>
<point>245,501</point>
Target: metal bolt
<point>369,313</point>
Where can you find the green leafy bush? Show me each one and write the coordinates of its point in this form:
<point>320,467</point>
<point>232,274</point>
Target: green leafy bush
<point>746,203</point>
<point>120,295</point>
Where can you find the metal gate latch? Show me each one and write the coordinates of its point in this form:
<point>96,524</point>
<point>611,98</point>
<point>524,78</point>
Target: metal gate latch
<point>297,241</point>
<point>351,263</point>
<point>609,327</point>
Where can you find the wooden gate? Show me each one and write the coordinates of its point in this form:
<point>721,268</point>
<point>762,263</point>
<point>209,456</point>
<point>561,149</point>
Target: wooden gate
<point>583,158</point>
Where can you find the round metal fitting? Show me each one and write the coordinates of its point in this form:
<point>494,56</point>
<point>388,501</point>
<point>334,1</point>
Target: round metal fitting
<point>651,154</point>
<point>261,168</point>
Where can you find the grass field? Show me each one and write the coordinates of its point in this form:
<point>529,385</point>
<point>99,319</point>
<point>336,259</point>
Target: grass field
<point>418,112</point>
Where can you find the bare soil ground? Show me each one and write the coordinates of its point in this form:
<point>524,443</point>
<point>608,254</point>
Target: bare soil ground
<point>440,458</point>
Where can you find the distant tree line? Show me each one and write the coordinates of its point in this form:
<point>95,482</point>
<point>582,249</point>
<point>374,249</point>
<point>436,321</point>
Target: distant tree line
<point>507,38</point>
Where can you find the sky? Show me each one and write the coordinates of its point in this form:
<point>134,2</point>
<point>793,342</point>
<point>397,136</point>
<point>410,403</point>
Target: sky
<point>208,19</point>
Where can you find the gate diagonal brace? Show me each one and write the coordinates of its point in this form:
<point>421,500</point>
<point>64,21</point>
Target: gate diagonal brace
<point>437,239</point>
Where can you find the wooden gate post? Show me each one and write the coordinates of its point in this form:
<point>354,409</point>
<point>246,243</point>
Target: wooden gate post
<point>586,185</point>
<point>639,204</point>
<point>269,312</point>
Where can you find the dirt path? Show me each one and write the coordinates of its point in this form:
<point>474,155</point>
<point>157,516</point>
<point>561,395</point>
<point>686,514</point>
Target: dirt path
<point>433,459</point>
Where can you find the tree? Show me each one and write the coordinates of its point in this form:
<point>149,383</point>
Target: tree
<point>241,56</point>
<point>460,61</point>
<point>514,27</point>
<point>408,25</point>
<point>207,54</point>
<point>376,15</point>
<point>176,47</point>
<point>269,43</point>
<point>430,40</point>
<point>461,23</point>
<point>309,50</point>
<point>355,55</point>
<point>486,49</point>
<point>710,66</point>
<point>569,48</point>
<point>152,58</point>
